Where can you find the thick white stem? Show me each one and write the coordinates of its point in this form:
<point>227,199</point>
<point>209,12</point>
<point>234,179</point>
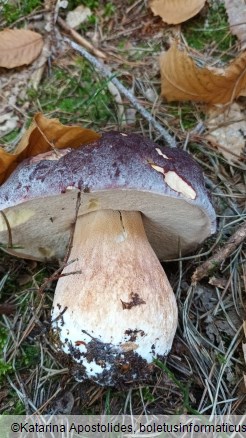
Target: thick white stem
<point>120,311</point>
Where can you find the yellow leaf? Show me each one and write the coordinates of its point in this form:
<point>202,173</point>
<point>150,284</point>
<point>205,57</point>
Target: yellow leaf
<point>19,47</point>
<point>176,11</point>
<point>182,79</point>
<point>42,136</point>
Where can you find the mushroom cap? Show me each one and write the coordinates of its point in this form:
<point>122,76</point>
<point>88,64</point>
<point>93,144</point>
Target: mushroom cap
<point>119,172</point>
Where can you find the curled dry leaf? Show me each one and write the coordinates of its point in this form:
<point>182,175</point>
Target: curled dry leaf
<point>176,11</point>
<point>19,47</point>
<point>236,11</point>
<point>227,130</point>
<point>42,136</point>
<point>182,79</point>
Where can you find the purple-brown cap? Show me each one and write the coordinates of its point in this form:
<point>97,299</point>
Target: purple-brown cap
<point>120,172</point>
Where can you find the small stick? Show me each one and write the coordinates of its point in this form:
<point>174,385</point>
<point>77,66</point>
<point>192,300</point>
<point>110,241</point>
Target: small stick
<point>205,269</point>
<point>80,40</point>
<point>56,275</point>
<point>106,73</point>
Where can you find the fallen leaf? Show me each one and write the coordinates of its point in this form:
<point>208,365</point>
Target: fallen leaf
<point>63,404</point>
<point>42,136</point>
<point>182,79</point>
<point>176,11</point>
<point>227,131</point>
<point>236,12</point>
<point>19,47</point>
<point>218,282</point>
<point>24,279</point>
<point>8,122</point>
<point>7,309</point>
<point>3,394</point>
<point>78,16</point>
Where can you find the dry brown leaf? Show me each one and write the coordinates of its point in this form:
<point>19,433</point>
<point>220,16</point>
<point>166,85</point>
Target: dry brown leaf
<point>236,11</point>
<point>43,135</point>
<point>182,79</point>
<point>227,130</point>
<point>19,47</point>
<point>176,11</point>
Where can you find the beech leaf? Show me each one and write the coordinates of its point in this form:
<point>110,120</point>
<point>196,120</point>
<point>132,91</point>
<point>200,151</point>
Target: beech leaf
<point>227,131</point>
<point>236,11</point>
<point>176,11</point>
<point>19,47</point>
<point>182,79</point>
<point>42,136</point>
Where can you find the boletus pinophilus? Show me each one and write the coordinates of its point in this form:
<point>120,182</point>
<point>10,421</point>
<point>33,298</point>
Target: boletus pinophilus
<point>127,203</point>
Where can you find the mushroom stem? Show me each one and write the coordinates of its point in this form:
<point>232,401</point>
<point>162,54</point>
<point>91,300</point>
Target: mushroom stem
<point>120,311</point>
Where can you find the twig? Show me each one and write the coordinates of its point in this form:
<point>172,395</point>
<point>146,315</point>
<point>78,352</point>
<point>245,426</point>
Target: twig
<point>56,275</point>
<point>80,40</point>
<point>105,72</point>
<point>46,51</point>
<point>205,269</point>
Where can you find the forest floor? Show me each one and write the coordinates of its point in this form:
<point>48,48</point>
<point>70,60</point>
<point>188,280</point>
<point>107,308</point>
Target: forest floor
<point>204,371</point>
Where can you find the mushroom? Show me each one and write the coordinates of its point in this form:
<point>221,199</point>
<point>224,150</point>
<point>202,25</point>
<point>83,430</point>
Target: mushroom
<point>127,203</point>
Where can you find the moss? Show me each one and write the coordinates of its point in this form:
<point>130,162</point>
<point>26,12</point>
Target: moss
<point>19,407</point>
<point>5,367</point>
<point>11,12</point>
<point>186,113</point>
<point>29,357</point>
<point>82,95</point>
<point>92,4</point>
<point>109,10</point>
<point>210,31</point>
